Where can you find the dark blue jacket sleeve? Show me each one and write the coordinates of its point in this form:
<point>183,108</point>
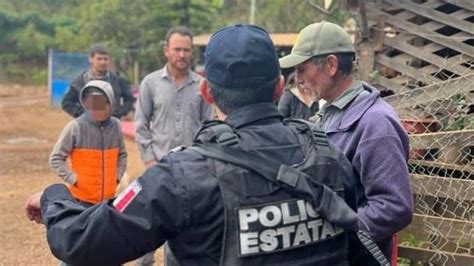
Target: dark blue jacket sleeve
<point>102,235</point>
<point>70,102</point>
<point>127,96</point>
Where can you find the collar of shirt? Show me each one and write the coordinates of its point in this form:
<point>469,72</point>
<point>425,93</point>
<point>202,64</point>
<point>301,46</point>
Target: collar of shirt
<point>252,113</point>
<point>345,98</point>
<point>348,96</point>
<point>333,111</point>
<point>192,77</point>
<point>91,76</point>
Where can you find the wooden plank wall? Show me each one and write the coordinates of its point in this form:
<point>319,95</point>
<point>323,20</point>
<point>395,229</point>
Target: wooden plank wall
<point>434,41</point>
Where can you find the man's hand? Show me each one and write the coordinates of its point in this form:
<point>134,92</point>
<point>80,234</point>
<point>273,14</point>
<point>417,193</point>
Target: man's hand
<point>149,164</point>
<point>33,208</point>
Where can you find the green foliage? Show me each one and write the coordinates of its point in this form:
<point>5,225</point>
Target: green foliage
<point>67,34</point>
<point>39,76</point>
<point>458,118</point>
<point>410,240</point>
<point>408,262</point>
<point>278,15</point>
<point>132,30</point>
<point>31,41</point>
<point>16,73</point>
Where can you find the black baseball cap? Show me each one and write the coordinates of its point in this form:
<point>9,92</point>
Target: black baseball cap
<point>241,56</point>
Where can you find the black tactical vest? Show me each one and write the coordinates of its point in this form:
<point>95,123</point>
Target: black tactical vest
<point>265,224</point>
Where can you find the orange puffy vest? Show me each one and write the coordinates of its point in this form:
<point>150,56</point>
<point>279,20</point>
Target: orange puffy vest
<point>96,172</point>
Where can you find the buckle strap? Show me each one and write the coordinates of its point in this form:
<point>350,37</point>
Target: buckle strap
<point>229,139</point>
<point>215,131</point>
<point>373,248</point>
<point>319,136</point>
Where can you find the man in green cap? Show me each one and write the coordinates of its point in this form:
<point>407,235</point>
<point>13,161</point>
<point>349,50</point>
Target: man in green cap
<point>363,126</point>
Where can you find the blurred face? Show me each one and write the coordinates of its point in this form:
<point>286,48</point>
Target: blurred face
<point>99,63</point>
<point>314,80</point>
<point>99,106</point>
<point>178,52</point>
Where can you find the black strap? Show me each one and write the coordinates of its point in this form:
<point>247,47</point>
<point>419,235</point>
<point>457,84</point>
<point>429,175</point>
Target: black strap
<point>318,135</point>
<point>325,201</point>
<point>216,131</point>
<point>372,247</point>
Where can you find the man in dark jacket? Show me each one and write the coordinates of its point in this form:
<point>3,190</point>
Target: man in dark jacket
<point>212,212</point>
<point>99,60</point>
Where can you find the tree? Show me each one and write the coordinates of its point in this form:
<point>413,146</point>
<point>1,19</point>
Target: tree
<point>132,30</point>
<point>278,15</point>
<point>136,29</point>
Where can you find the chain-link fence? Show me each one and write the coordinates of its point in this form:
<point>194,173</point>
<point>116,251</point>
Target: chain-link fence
<point>440,121</point>
<point>422,52</point>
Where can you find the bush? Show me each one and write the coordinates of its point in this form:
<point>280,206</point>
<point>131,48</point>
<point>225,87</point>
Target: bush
<point>39,76</point>
<point>24,74</point>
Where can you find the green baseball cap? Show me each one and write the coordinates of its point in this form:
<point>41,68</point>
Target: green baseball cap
<point>318,39</point>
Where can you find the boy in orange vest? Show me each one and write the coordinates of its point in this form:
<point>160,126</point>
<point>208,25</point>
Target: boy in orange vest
<point>94,144</point>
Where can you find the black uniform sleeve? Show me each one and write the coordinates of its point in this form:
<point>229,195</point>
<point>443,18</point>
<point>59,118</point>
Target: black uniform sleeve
<point>70,102</point>
<point>127,95</point>
<point>105,234</point>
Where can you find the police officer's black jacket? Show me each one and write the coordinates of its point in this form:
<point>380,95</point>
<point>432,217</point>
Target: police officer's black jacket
<point>177,200</point>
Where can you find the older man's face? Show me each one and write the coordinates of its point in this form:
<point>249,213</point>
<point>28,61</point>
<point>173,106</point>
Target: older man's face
<point>313,79</point>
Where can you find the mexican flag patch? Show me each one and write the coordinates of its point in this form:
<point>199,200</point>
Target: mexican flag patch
<point>122,201</point>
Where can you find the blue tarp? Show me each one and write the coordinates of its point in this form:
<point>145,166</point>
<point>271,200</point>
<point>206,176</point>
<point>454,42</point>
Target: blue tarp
<point>64,68</point>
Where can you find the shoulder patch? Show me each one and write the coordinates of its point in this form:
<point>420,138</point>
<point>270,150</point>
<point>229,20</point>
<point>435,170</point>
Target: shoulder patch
<point>127,196</point>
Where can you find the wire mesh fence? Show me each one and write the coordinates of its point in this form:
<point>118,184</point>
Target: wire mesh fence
<point>440,121</point>
<point>422,52</point>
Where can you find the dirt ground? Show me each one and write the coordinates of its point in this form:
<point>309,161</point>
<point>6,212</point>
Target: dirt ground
<point>28,130</point>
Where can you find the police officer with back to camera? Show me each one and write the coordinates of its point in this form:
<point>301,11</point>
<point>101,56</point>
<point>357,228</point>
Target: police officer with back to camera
<point>252,190</point>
